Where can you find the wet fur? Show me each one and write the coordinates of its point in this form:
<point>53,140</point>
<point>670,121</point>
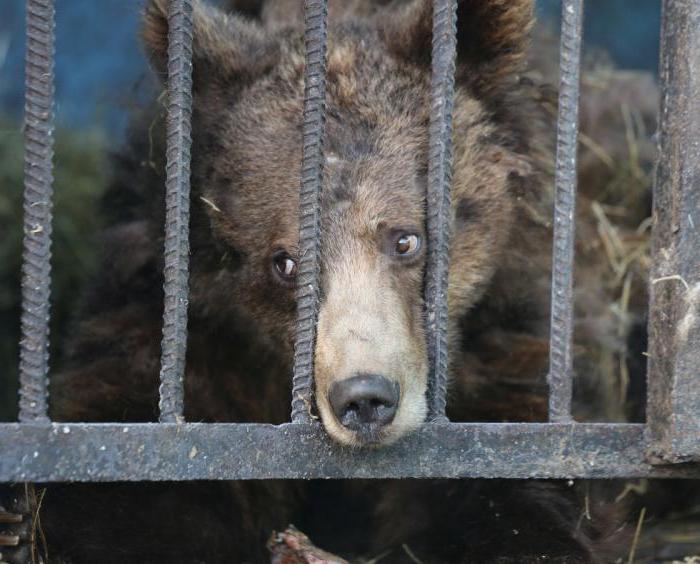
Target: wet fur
<point>239,347</point>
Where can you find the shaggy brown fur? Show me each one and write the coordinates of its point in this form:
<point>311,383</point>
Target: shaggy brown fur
<point>248,85</point>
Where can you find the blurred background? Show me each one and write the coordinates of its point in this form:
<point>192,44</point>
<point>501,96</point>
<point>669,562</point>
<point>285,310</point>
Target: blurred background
<point>100,75</point>
<point>99,63</point>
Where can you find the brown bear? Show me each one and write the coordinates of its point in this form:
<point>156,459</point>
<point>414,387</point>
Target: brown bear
<point>248,72</point>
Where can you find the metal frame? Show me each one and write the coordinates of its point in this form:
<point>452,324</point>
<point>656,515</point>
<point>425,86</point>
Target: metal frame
<point>229,451</point>
<point>37,450</point>
<point>674,324</point>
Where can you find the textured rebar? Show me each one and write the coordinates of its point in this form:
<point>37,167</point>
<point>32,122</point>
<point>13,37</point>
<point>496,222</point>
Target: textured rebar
<point>315,36</point>
<point>438,197</point>
<point>38,190</point>
<point>177,202</point>
<point>560,376</point>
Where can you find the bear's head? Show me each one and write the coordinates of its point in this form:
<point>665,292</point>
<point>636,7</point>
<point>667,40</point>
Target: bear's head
<point>371,366</point>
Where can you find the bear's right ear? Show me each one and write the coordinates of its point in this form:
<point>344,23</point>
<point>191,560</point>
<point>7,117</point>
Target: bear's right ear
<point>224,46</point>
<point>492,38</point>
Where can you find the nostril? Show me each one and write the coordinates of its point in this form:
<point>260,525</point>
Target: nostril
<point>363,401</point>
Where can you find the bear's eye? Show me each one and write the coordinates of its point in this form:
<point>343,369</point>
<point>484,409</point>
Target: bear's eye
<point>407,244</point>
<point>284,266</point>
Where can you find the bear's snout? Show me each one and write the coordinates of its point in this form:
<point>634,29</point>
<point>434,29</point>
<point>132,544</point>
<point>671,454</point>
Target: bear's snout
<point>370,365</point>
<point>364,403</point>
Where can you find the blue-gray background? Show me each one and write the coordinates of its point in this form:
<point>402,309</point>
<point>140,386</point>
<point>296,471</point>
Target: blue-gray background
<point>98,58</point>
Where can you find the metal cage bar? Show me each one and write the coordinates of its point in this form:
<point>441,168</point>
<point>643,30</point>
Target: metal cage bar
<point>444,49</point>
<point>674,319</point>
<point>177,202</point>
<point>308,274</point>
<point>560,377</point>
<point>38,190</point>
<point>220,451</point>
<point>190,451</point>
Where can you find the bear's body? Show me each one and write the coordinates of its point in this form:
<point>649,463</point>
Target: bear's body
<point>245,180</point>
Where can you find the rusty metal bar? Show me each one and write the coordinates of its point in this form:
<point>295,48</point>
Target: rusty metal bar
<point>221,451</point>
<point>308,277</point>
<point>444,51</point>
<point>560,376</point>
<point>673,410</point>
<point>38,190</point>
<point>177,202</point>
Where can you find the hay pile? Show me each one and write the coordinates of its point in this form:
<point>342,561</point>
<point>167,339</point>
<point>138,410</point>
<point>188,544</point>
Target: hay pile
<point>617,151</point>
<point>616,160</point>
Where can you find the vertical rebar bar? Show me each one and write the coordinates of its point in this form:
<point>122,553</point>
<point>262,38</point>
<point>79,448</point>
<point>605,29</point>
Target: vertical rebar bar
<point>438,198</point>
<point>177,202</point>
<point>560,376</point>
<point>308,277</point>
<point>38,190</point>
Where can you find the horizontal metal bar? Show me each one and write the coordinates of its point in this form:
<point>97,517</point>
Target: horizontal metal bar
<point>199,451</point>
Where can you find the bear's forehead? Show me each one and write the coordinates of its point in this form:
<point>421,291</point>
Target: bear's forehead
<point>366,185</point>
<point>376,139</point>
<point>372,182</point>
<point>373,150</point>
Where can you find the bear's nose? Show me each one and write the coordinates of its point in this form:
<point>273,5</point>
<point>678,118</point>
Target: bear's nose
<point>364,401</point>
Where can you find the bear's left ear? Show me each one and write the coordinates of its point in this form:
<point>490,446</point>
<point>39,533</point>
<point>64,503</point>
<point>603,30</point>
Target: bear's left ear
<point>224,46</point>
<point>492,38</point>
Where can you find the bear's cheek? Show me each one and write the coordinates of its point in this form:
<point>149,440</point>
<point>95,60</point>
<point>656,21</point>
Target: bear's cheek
<point>481,233</point>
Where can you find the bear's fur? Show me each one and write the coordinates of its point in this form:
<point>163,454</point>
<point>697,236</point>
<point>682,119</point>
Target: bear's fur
<point>248,93</point>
